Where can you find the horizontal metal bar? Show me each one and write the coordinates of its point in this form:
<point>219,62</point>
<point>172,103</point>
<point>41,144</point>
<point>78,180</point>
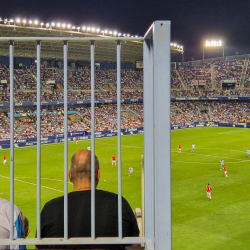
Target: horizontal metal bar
<point>74,241</point>
<point>75,39</point>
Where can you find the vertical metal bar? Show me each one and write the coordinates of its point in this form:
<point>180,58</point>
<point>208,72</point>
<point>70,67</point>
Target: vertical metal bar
<point>38,124</point>
<point>162,133</point>
<point>148,139</point>
<point>11,141</point>
<point>65,63</point>
<point>119,139</point>
<point>92,139</point>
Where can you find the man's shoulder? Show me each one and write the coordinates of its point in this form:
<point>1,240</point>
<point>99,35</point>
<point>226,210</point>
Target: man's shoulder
<point>54,201</point>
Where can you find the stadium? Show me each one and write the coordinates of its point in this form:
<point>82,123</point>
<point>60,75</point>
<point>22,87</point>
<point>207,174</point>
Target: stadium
<point>209,108</point>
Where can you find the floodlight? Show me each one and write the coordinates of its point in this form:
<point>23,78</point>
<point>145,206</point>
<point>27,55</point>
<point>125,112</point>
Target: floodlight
<point>30,21</point>
<point>97,30</point>
<point>119,34</point>
<point>17,20</point>
<point>11,20</point>
<point>78,28</point>
<point>110,32</point>
<point>106,31</point>
<point>53,24</point>
<point>136,36</point>
<point>41,24</point>
<point>83,28</point>
<point>88,28</point>
<point>73,27</point>
<point>47,25</point>
<point>24,21</point>
<point>124,34</point>
<point>63,25</point>
<point>128,35</point>
<point>93,29</point>
<point>115,33</point>
<point>58,25</point>
<point>35,22</point>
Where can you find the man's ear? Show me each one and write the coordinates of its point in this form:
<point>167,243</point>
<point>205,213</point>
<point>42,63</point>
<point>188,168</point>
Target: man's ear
<point>27,232</point>
<point>98,175</point>
<point>69,174</point>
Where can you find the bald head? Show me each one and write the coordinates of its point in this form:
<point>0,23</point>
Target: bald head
<point>80,165</point>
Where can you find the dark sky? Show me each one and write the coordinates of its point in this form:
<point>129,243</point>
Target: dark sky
<point>192,21</point>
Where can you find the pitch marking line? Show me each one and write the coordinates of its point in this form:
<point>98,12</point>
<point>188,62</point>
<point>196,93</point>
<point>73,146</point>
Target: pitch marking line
<point>43,179</point>
<point>32,184</point>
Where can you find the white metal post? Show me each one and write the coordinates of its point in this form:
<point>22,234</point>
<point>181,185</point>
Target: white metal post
<point>119,139</point>
<point>65,74</point>
<point>158,135</point>
<point>11,140</point>
<point>92,57</point>
<point>38,125</point>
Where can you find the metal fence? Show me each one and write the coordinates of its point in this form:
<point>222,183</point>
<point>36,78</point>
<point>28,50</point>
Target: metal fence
<point>157,153</point>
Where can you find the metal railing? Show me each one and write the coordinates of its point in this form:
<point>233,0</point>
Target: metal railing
<point>157,162</point>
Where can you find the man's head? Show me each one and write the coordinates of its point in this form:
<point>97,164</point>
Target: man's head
<point>80,168</point>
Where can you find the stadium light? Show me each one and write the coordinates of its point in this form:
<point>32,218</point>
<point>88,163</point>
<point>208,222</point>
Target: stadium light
<point>24,21</point>
<point>11,21</point>
<point>88,28</point>
<point>36,22</point>
<point>115,33</point>
<point>41,24</point>
<point>47,25</point>
<point>18,20</point>
<point>30,22</point>
<point>213,43</point>
<point>53,24</point>
<point>93,29</point>
<point>83,28</point>
<point>106,31</point>
<point>97,30</point>
<point>63,25</point>
<point>58,25</point>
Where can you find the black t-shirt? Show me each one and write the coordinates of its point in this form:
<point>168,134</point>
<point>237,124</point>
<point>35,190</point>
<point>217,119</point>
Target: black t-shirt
<point>79,218</point>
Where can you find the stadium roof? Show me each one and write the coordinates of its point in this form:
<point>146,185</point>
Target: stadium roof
<point>131,50</point>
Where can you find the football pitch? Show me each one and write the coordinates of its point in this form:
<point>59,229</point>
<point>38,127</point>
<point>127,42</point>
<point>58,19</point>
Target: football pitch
<point>197,223</point>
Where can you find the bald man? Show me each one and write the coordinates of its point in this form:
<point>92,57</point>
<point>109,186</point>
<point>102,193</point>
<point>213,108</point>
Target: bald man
<point>79,209</point>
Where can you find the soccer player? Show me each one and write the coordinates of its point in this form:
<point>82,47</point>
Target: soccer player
<point>221,164</point>
<point>130,171</point>
<point>209,189</point>
<point>113,160</point>
<point>88,148</point>
<point>76,140</point>
<point>180,148</point>
<point>247,155</point>
<point>4,159</point>
<point>225,171</point>
<point>193,147</point>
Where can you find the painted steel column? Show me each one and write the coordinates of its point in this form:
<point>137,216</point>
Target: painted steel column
<point>38,125</point>
<point>119,139</point>
<point>65,74</point>
<point>93,185</point>
<point>11,141</point>
<point>162,134</point>
<point>148,141</point>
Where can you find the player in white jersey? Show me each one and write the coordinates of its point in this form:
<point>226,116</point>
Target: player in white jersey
<point>5,224</point>
<point>221,164</point>
<point>193,148</point>
<point>248,152</point>
<point>88,148</point>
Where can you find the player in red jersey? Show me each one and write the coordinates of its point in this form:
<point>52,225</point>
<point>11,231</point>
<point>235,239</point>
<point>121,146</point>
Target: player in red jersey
<point>180,148</point>
<point>76,140</point>
<point>4,159</point>
<point>209,189</point>
<point>113,160</point>
<point>225,171</point>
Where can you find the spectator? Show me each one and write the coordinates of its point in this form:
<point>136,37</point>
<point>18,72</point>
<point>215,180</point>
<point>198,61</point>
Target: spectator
<point>5,224</point>
<point>79,212</point>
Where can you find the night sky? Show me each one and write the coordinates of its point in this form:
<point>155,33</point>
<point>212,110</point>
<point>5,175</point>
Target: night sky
<point>192,21</point>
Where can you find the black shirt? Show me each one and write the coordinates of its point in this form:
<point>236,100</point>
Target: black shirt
<point>79,218</point>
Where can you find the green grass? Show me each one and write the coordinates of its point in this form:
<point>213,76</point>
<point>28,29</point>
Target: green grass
<point>197,223</point>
